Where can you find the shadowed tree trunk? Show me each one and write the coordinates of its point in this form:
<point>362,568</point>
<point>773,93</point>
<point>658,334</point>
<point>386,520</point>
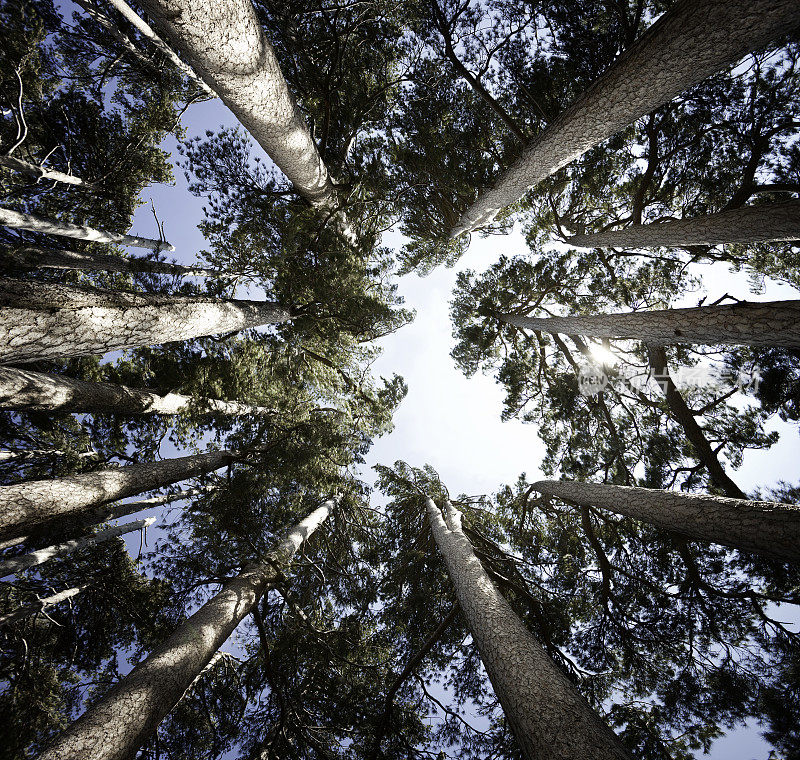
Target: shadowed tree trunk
<point>33,223</point>
<point>770,323</point>
<point>32,504</point>
<point>691,41</point>
<point>40,172</point>
<point>550,719</point>
<point>115,727</point>
<point>765,527</point>
<point>22,390</point>
<point>749,224</point>
<point>41,605</point>
<point>224,42</point>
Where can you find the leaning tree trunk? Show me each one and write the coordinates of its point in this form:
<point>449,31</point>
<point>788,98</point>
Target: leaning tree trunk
<point>33,504</point>
<point>764,527</point>
<point>225,44</point>
<point>22,390</point>
<point>41,605</point>
<point>749,224</point>
<point>33,223</point>
<point>691,41</point>
<point>40,172</point>
<point>550,719</point>
<point>770,323</point>
<point>47,321</point>
<point>115,727</point>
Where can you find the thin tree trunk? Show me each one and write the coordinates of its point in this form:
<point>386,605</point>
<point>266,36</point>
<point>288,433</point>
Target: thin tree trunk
<point>40,172</point>
<point>748,224</point>
<point>764,527</point>
<point>116,726</point>
<point>691,41</point>
<point>22,390</point>
<point>36,325</point>
<point>550,719</point>
<point>769,323</point>
<point>40,556</point>
<point>224,42</point>
<point>683,415</point>
<point>31,505</point>
<point>33,223</point>
<point>40,606</point>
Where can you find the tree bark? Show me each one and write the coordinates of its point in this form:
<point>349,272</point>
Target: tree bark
<point>691,41</point>
<point>36,325</point>
<point>549,718</point>
<point>225,44</point>
<point>750,224</point>
<point>42,604</point>
<point>33,223</point>
<point>22,390</point>
<point>769,323</point>
<point>40,172</point>
<point>33,504</point>
<point>765,527</point>
<point>115,727</point>
<point>18,564</point>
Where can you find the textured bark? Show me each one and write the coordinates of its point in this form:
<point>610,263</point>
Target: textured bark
<point>115,727</point>
<point>40,172</point>
<point>33,223</point>
<point>32,504</point>
<point>225,44</point>
<point>42,604</point>
<point>40,556</point>
<point>48,321</point>
<point>691,41</point>
<point>765,527</point>
<point>749,224</point>
<point>683,415</point>
<point>22,390</point>
<point>770,323</point>
<point>549,718</point>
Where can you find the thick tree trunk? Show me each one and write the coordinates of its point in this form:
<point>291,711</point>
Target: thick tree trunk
<point>33,504</point>
<point>115,727</point>
<point>691,41</point>
<point>22,390</point>
<point>749,224</point>
<point>765,527</point>
<point>770,323</point>
<point>40,172</point>
<point>40,556</point>
<point>225,44</point>
<point>48,321</point>
<point>33,223</point>
<point>42,604</point>
<point>550,719</point>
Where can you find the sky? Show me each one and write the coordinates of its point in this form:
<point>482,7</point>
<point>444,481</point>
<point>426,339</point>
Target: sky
<point>446,420</point>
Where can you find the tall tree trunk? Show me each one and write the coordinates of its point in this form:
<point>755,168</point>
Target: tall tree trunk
<point>683,415</point>
<point>41,605</point>
<point>765,527</point>
<point>691,41</point>
<point>40,556</point>
<point>550,719</point>
<point>21,221</point>
<point>769,323</point>
<point>33,504</point>
<point>22,390</point>
<point>748,224</point>
<point>40,172</point>
<point>224,42</point>
<point>35,325</point>
<point>115,727</point>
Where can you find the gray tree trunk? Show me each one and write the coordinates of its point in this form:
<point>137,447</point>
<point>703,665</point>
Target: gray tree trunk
<point>31,505</point>
<point>115,727</point>
<point>33,223</point>
<point>550,719</point>
<point>36,325</point>
<point>748,224</point>
<point>40,172</point>
<point>765,527</point>
<point>224,42</point>
<point>41,605</point>
<point>769,323</point>
<point>691,41</point>
<point>40,556</point>
<point>22,390</point>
